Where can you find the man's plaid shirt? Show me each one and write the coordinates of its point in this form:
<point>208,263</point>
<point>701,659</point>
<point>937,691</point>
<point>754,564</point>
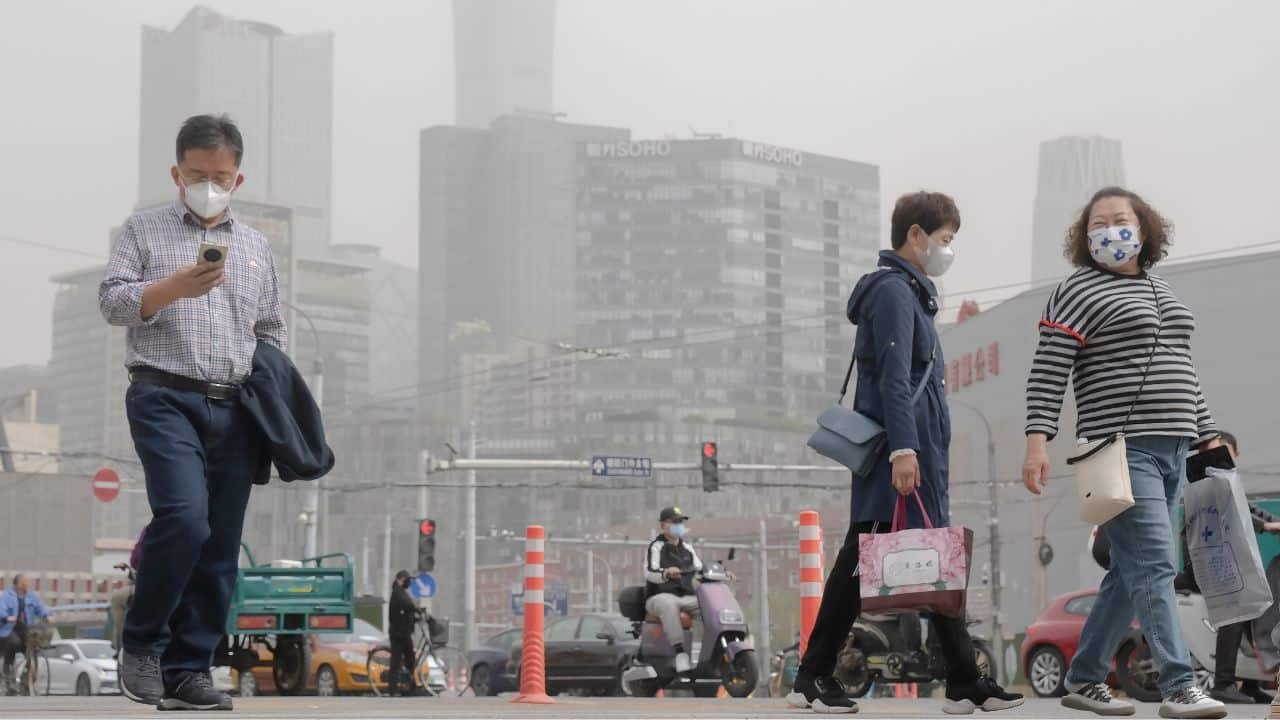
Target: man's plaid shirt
<point>209,338</point>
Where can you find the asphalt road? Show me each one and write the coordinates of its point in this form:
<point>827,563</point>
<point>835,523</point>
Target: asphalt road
<point>365,708</point>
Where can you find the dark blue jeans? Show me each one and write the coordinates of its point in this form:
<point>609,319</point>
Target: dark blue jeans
<point>199,456</point>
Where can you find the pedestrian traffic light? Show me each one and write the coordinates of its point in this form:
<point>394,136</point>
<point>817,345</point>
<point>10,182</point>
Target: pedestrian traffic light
<point>710,468</point>
<point>426,545</point>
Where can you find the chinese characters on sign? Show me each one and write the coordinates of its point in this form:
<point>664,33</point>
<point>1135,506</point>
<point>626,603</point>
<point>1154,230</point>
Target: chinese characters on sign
<point>973,367</point>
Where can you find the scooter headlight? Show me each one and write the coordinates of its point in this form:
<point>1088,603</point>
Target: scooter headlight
<point>729,616</point>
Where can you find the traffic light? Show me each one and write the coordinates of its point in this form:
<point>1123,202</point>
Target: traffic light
<point>710,468</point>
<point>426,545</point>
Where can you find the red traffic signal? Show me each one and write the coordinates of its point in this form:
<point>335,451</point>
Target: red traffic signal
<point>709,450</point>
<point>427,528</point>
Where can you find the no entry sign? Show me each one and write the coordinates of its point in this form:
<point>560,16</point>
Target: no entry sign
<point>106,485</point>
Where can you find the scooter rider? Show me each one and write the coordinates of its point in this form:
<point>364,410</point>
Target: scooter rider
<point>670,567</point>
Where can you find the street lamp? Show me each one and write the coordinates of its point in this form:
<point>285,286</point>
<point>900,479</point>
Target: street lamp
<point>997,639</point>
<point>312,503</point>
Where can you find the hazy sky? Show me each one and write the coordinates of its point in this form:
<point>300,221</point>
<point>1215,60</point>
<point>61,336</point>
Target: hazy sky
<point>952,96</point>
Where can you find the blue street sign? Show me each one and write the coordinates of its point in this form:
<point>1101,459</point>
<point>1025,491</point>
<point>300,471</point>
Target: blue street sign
<point>423,586</point>
<point>612,466</point>
<point>555,599</point>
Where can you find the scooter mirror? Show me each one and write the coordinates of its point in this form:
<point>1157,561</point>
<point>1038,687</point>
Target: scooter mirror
<point>732,552</point>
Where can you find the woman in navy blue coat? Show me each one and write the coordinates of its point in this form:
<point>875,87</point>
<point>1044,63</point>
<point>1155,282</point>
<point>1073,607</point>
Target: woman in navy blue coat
<point>894,309</point>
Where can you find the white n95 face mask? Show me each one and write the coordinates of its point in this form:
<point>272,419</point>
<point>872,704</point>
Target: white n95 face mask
<point>939,259</point>
<point>207,199</point>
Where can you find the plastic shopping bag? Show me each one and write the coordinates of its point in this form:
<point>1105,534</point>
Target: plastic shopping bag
<point>1224,552</point>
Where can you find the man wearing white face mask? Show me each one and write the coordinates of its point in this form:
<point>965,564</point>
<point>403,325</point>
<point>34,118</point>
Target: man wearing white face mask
<point>900,385</point>
<point>194,326</point>
<point>670,567</point>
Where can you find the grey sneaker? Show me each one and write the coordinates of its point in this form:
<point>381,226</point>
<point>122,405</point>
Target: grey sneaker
<point>1191,702</point>
<point>140,678</point>
<point>1097,699</point>
<point>194,691</point>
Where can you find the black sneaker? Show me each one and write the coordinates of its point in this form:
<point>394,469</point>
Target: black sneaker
<point>983,694</point>
<point>1231,695</point>
<point>1253,690</point>
<point>194,691</point>
<point>140,678</point>
<point>822,694</point>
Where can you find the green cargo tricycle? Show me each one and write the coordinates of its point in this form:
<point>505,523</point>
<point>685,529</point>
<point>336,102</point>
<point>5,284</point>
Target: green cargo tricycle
<point>278,608</point>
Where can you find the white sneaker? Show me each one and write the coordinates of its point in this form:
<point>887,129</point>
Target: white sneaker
<point>1191,702</point>
<point>683,665</point>
<point>1097,699</point>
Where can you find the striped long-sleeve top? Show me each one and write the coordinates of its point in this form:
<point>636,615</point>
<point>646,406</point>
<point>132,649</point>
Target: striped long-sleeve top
<point>1098,330</point>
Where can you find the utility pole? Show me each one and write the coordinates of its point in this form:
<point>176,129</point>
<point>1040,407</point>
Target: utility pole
<point>591,580</point>
<point>469,550</point>
<point>311,504</point>
<point>364,564</point>
<point>764,656</point>
<point>386,554</point>
<point>993,495</point>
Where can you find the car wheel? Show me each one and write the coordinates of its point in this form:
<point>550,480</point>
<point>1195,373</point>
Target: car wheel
<point>248,684</point>
<point>83,686</point>
<point>1137,674</point>
<point>326,682</point>
<point>482,680</point>
<point>1046,671</point>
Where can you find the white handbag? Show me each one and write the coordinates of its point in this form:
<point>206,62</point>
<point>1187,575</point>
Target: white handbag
<point>1102,479</point>
<point>1102,466</point>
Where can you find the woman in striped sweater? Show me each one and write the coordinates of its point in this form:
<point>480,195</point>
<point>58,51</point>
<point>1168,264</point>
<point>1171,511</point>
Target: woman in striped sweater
<point>1123,338</point>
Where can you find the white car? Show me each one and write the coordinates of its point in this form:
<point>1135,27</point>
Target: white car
<point>76,667</point>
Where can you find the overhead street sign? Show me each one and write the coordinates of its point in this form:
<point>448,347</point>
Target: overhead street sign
<point>612,466</point>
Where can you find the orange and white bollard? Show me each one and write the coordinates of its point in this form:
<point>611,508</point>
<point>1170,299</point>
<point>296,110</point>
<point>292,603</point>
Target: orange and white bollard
<point>810,574</point>
<point>533,659</point>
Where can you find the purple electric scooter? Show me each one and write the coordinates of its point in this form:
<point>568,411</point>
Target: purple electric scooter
<point>726,656</point>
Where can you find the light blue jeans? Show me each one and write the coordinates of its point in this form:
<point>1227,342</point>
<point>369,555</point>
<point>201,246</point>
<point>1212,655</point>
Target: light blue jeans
<point>1140,581</point>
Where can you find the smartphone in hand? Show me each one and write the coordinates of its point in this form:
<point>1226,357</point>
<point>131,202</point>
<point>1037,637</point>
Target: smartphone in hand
<point>212,254</point>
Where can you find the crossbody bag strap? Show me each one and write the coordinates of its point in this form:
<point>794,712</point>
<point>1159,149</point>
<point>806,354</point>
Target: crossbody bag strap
<point>915,394</point>
<point>853,359</point>
<point>1155,345</point>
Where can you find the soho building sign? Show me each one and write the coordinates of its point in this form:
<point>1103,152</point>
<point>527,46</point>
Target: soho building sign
<point>624,150</point>
<point>772,153</point>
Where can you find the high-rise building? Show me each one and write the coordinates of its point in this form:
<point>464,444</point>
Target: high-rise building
<point>503,54</point>
<point>497,217</point>
<point>1072,168</point>
<point>721,268</point>
<point>277,86</point>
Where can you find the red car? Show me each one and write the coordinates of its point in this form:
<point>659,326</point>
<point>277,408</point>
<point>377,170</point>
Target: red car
<point>1052,640</point>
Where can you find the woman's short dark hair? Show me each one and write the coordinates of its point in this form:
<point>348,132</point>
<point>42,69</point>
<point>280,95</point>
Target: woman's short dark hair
<point>210,132</point>
<point>1156,231</point>
<point>929,210</point>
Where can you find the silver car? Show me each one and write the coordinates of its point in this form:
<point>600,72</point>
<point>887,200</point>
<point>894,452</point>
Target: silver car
<point>76,667</point>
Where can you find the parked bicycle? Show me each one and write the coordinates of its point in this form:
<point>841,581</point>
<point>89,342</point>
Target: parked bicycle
<point>437,668</point>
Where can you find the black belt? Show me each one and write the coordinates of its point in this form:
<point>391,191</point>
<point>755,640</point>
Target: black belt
<point>217,391</point>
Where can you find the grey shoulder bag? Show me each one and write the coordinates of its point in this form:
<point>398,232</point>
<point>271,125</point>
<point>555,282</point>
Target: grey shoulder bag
<point>851,438</point>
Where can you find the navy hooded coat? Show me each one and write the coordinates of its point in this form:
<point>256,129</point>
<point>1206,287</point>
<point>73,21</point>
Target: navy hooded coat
<point>894,309</point>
